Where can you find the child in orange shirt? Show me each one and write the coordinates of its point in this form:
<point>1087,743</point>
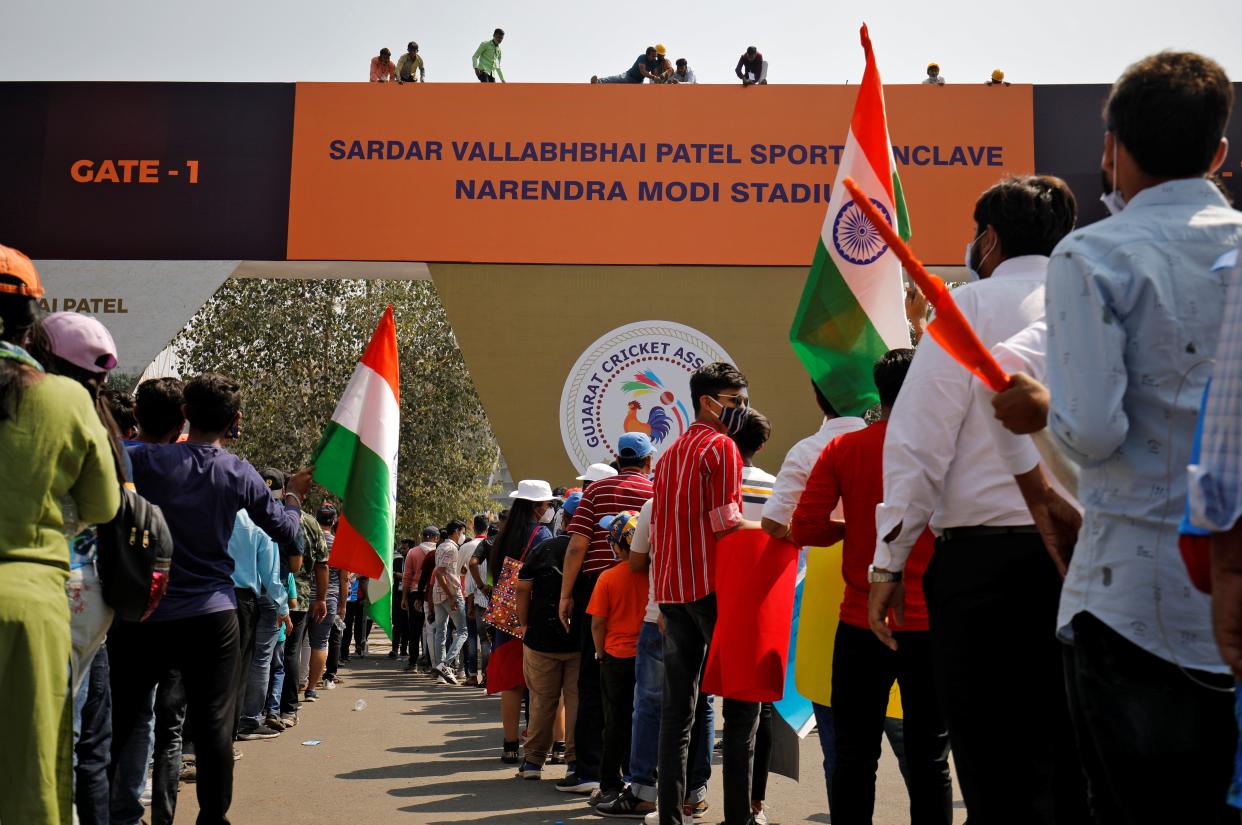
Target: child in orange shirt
<point>616,609</point>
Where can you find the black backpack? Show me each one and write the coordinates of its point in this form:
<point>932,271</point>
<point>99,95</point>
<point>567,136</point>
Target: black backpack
<point>134,555</point>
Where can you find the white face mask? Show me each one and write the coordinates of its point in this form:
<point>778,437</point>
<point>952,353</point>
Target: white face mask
<point>546,518</point>
<point>1114,201</point>
<point>970,269</point>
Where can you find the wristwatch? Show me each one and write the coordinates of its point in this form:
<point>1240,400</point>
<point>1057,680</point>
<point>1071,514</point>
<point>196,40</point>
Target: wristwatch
<point>875,575</point>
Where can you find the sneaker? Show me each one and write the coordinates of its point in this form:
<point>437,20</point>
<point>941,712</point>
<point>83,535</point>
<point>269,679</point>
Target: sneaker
<point>449,676</point>
<point>509,753</point>
<point>189,772</point>
<point>599,796</point>
<point>627,806</point>
<point>312,696</point>
<point>274,722</point>
<point>760,818</point>
<point>572,784</point>
<point>392,654</point>
<point>289,720</point>
<point>530,770</point>
<point>440,680</point>
<point>237,755</point>
<point>257,732</point>
<point>557,756</point>
<point>329,684</point>
<point>694,809</point>
<point>473,681</point>
<point>652,818</point>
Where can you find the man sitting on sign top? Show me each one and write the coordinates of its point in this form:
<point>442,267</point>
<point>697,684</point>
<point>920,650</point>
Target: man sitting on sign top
<point>410,68</point>
<point>751,68</point>
<point>647,66</point>
<point>382,68</point>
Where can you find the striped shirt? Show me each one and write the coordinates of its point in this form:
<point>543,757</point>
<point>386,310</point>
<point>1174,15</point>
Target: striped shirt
<point>698,493</point>
<point>629,490</point>
<point>756,490</point>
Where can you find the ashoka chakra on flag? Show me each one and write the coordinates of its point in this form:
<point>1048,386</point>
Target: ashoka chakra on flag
<point>855,238</point>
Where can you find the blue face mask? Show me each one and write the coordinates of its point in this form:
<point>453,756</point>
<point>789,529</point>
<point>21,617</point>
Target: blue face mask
<point>731,418</point>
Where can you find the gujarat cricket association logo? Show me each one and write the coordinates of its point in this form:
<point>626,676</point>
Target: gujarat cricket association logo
<point>634,379</point>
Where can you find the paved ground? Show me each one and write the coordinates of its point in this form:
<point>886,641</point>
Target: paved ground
<point>425,753</point>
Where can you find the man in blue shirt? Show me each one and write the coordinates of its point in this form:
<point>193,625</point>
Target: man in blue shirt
<point>201,487</point>
<point>1134,310</point>
<point>647,66</point>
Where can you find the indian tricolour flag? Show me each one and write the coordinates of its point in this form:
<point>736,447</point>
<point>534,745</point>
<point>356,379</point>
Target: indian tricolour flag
<point>356,460</point>
<point>852,308</point>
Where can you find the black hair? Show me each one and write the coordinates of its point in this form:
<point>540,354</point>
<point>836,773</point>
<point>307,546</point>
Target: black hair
<point>755,432</point>
<point>513,536</point>
<point>1030,213</point>
<point>681,61</point>
<point>157,406</point>
<point>18,314</point>
<point>122,408</point>
<point>503,515</point>
<point>481,522</point>
<point>559,492</point>
<point>713,378</point>
<point>1169,110</point>
<point>825,405</point>
<point>211,402</point>
<point>500,32</point>
<point>650,50</point>
<point>411,45</point>
<point>889,373</point>
<point>408,543</point>
<point>453,526</point>
<point>624,463</point>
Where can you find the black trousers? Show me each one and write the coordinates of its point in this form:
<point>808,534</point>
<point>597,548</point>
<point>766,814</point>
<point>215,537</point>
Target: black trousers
<point>293,660</point>
<point>863,672</point>
<point>205,650</point>
<point>92,797</point>
<point>170,733</point>
<point>617,686</point>
<point>355,628</point>
<point>399,624</point>
<point>688,632</point>
<point>1156,747</point>
<point>485,78</point>
<point>415,633</point>
<point>992,602</point>
<point>247,621</point>
<point>334,649</point>
<point>589,726</point>
<point>763,754</point>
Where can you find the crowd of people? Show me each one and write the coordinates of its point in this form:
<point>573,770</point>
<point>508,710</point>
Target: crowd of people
<point>1011,560</point>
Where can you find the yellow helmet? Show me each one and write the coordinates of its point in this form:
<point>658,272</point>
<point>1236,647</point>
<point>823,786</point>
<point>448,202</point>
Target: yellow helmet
<point>660,50</point>
<point>997,75</point>
<point>931,66</point>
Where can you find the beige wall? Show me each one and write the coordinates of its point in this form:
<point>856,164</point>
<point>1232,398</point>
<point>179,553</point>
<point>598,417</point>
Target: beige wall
<point>521,329</point>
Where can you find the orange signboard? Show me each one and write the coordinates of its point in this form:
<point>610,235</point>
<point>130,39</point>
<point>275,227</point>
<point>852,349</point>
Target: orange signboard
<point>702,175</point>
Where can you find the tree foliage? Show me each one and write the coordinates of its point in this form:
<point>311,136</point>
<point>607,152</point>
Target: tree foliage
<point>293,345</point>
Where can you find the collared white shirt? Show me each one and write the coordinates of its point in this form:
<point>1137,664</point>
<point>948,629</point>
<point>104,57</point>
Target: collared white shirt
<point>939,465</point>
<point>1134,312</point>
<point>799,461</point>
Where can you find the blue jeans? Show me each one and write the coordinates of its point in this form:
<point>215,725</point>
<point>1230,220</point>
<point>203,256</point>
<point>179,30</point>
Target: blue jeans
<point>645,735</point>
<point>455,610</point>
<point>257,681</point>
<point>92,734</point>
<point>276,680</point>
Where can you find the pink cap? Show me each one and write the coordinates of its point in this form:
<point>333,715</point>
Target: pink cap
<point>81,340</point>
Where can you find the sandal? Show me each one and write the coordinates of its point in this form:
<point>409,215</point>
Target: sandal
<point>509,753</point>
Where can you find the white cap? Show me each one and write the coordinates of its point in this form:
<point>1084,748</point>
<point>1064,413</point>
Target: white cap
<point>533,490</point>
<point>596,472</point>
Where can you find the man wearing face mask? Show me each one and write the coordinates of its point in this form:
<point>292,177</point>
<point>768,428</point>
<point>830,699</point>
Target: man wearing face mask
<point>1134,311</point>
<point>991,587</point>
<point>590,554</point>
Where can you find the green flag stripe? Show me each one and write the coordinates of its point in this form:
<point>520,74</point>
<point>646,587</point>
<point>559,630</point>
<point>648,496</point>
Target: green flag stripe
<point>903,217</point>
<point>347,468</point>
<point>834,338</point>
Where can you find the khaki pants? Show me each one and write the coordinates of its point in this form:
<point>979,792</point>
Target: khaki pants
<point>549,676</point>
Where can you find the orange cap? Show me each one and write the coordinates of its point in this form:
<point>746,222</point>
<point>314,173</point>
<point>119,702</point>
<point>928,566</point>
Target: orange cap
<point>17,265</point>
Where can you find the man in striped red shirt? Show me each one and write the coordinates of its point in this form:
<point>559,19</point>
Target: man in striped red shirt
<point>588,555</point>
<point>698,500</point>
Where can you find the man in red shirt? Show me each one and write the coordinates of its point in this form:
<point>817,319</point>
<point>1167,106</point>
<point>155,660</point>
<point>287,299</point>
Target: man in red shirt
<point>698,500</point>
<point>851,470</point>
<point>588,556</point>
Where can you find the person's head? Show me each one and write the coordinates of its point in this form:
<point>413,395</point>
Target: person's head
<point>933,70</point>
<point>326,515</point>
<point>620,529</point>
<point>1026,215</point>
<point>650,52</point>
<point>212,405</point>
<point>751,51</point>
<point>682,65</point>
<point>408,544</point>
<point>431,533</point>
<point>569,508</point>
<point>275,480</point>
<point>20,290</point>
<point>660,50</point>
<point>755,432</point>
<point>76,346</point>
<point>121,405</point>
<point>158,409</point>
<point>497,36</point>
<point>1165,119</point>
<point>998,76</point>
<point>716,388</point>
<point>455,530</point>
<point>889,373</point>
<point>480,524</point>
<point>538,494</point>
<point>412,48</point>
<point>502,517</point>
<point>635,452</point>
<point>825,406</point>
<point>385,54</point>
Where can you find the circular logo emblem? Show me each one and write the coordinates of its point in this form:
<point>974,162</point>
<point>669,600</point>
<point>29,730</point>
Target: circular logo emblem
<point>633,379</point>
<point>855,238</point>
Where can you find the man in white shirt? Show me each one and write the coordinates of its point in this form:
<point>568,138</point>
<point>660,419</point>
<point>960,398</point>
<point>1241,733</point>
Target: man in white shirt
<point>1134,313</point>
<point>991,588</point>
<point>472,616</point>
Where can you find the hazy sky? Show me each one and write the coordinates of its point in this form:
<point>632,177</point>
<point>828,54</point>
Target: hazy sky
<point>804,41</point>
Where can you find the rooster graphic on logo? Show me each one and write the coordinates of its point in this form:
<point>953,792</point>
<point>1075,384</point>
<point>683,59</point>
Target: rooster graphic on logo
<point>659,422</point>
